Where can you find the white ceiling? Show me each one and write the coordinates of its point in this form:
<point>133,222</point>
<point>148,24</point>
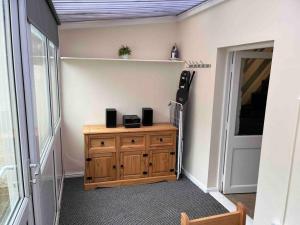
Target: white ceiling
<point>92,10</point>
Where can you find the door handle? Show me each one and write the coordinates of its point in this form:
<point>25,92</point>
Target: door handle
<point>36,168</point>
<point>35,171</point>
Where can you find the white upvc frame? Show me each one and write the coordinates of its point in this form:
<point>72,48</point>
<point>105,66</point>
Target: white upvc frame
<point>35,157</point>
<point>24,211</point>
<point>226,99</point>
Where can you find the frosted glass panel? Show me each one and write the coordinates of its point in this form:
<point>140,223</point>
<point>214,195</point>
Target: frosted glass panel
<point>41,87</point>
<point>253,90</point>
<point>10,176</point>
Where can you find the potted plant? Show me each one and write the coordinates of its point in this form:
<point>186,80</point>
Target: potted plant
<point>124,52</point>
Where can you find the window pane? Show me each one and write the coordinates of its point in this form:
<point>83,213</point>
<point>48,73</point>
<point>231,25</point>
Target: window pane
<point>53,77</point>
<point>41,87</point>
<point>253,92</point>
<point>10,176</point>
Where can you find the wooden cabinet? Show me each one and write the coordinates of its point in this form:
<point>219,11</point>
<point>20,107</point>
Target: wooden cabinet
<point>133,164</point>
<point>104,167</point>
<point>120,156</point>
<point>162,162</point>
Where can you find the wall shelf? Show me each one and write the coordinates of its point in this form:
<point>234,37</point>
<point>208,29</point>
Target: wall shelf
<point>124,60</point>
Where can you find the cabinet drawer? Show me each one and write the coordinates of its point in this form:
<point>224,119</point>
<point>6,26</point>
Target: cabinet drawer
<point>102,142</point>
<point>132,142</point>
<point>162,140</point>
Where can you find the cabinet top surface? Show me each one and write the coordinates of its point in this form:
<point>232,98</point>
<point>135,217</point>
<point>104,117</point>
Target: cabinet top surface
<point>101,129</point>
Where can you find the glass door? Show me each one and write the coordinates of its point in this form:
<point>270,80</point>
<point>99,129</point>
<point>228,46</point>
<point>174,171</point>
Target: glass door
<point>15,199</point>
<point>248,96</point>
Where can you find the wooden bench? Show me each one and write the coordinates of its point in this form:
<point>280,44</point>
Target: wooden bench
<point>234,218</point>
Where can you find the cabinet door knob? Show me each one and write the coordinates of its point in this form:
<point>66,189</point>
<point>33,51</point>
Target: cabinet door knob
<point>150,164</point>
<point>114,166</point>
<point>161,140</point>
<point>132,141</point>
<point>102,142</point>
<point>122,166</point>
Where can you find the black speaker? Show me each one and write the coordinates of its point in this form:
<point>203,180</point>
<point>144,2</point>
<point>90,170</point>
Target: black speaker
<point>111,118</point>
<point>147,117</point>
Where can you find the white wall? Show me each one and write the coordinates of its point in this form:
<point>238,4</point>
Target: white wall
<point>205,36</point>
<point>88,87</point>
<point>151,41</point>
<point>292,215</point>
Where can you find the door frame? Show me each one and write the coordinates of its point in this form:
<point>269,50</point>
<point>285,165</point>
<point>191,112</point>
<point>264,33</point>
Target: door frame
<point>226,100</point>
<point>38,163</point>
<point>23,213</point>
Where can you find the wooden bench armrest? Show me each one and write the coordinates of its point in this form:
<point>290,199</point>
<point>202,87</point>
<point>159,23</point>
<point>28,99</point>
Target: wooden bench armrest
<point>234,218</point>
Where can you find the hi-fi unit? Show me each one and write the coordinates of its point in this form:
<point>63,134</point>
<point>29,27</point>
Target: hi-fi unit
<point>131,121</point>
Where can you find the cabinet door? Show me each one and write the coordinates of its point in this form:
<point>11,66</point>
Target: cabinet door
<point>162,162</point>
<point>103,167</point>
<point>133,164</point>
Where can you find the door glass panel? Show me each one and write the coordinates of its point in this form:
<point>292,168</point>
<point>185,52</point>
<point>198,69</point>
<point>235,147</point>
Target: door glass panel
<point>41,88</point>
<point>10,173</point>
<point>253,90</point>
<point>54,81</point>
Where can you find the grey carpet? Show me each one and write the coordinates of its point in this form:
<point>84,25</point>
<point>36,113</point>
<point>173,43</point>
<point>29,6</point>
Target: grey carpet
<point>150,204</point>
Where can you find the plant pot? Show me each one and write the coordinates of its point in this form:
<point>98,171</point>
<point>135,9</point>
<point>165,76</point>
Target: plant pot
<point>124,56</point>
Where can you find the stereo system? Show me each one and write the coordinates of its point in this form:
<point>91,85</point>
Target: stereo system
<point>129,121</point>
<point>111,118</point>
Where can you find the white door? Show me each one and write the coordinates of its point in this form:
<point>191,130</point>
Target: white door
<point>16,201</point>
<point>248,92</point>
<point>43,116</point>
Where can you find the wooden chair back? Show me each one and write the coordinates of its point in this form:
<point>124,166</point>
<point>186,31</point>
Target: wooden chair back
<point>234,218</point>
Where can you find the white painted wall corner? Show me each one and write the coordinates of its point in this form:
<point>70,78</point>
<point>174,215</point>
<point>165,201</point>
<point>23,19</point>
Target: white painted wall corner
<point>199,184</point>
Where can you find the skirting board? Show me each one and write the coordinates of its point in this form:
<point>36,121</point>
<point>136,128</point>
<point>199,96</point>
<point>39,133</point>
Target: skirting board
<point>74,174</point>
<point>198,183</point>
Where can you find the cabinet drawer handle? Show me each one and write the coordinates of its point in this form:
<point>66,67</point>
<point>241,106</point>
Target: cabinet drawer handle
<point>132,141</point>
<point>161,140</point>
<point>102,143</point>
<point>145,172</point>
<point>145,155</point>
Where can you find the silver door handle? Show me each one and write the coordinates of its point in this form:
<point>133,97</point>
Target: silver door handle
<point>35,166</point>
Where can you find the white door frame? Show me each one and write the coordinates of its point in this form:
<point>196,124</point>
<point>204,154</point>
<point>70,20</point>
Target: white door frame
<point>24,214</point>
<point>226,99</point>
<point>41,162</point>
